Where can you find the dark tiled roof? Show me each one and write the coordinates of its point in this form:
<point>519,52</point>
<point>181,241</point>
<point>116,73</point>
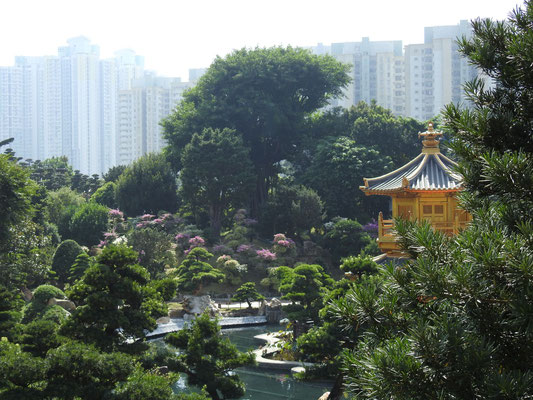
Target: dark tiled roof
<point>428,171</point>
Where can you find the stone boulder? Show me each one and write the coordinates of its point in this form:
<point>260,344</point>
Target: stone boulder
<point>198,304</point>
<point>163,320</point>
<point>274,303</point>
<point>176,313</point>
<point>63,303</point>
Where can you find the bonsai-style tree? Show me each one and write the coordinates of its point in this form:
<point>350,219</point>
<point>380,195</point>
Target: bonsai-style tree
<point>247,293</point>
<point>64,258</point>
<point>304,286</point>
<point>208,359</point>
<point>195,271</point>
<point>115,302</point>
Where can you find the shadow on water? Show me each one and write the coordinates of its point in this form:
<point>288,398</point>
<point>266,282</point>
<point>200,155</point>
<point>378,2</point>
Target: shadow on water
<point>264,384</point>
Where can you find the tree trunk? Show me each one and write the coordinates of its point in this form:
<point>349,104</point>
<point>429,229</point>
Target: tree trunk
<point>214,220</point>
<point>338,389</point>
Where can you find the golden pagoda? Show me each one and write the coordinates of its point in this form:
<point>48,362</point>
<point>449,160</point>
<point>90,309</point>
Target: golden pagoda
<point>423,189</point>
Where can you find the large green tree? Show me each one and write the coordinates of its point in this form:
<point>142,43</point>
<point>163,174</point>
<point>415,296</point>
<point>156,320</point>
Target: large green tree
<point>16,190</point>
<point>336,171</point>
<point>455,322</point>
<point>217,174</point>
<point>265,95</point>
<point>147,186</point>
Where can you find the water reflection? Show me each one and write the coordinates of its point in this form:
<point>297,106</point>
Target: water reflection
<point>264,384</point>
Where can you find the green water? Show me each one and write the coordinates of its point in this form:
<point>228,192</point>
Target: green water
<point>265,384</point>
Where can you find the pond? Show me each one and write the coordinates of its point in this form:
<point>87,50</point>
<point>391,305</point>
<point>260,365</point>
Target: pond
<point>264,384</point>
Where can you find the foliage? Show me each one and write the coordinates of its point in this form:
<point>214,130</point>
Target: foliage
<point>216,174</point>
<point>39,303</point>
<point>80,265</point>
<point>147,186</point>
<point>165,287</point>
<point>337,170</point>
<point>247,293</point>
<point>16,190</point>
<point>39,336</point>
<point>26,259</point>
<point>195,271</point>
<point>114,303</point>
<point>291,209</point>
<point>304,286</point>
<point>344,238</point>
<point>113,173</point>
<point>359,265</point>
<point>154,248</point>
<point>105,195</point>
<point>455,322</point>
<point>20,373</point>
<point>88,224</point>
<point>265,96</point>
<point>52,173</point>
<point>63,260</point>
<point>10,306</point>
<point>144,385</point>
<point>77,370</point>
<point>208,359</point>
<point>61,206</point>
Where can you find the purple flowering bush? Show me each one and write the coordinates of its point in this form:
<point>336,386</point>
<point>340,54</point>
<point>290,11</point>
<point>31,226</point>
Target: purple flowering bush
<point>372,229</point>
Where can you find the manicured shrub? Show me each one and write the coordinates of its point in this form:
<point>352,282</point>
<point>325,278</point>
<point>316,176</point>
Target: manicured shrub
<point>105,195</point>
<point>64,257</point>
<point>89,223</point>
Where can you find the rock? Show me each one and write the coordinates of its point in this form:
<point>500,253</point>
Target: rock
<point>324,396</point>
<point>163,320</point>
<point>297,370</point>
<point>284,321</point>
<point>177,313</point>
<point>188,317</point>
<point>26,294</point>
<point>198,304</point>
<point>275,303</point>
<point>262,308</point>
<point>63,303</point>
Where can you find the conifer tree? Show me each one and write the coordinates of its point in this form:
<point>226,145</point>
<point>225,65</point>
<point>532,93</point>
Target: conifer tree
<point>455,322</point>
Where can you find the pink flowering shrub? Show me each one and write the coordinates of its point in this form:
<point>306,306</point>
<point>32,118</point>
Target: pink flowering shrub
<point>279,236</point>
<point>147,217</point>
<point>196,241</point>
<point>116,213</point>
<point>266,254</point>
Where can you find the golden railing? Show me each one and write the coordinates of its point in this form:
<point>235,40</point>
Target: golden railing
<point>387,238</point>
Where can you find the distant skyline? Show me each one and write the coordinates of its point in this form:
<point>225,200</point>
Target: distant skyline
<point>175,36</point>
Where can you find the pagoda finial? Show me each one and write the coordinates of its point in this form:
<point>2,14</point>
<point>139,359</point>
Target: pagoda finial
<point>430,138</point>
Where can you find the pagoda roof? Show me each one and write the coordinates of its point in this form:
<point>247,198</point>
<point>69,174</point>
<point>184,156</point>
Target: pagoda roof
<point>429,171</point>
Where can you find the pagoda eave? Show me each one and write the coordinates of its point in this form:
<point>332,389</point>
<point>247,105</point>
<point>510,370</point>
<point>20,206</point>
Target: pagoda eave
<point>406,191</point>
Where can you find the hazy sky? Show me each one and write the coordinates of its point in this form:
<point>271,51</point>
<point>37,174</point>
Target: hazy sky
<point>175,35</point>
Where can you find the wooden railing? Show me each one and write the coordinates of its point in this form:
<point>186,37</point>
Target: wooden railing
<point>387,238</point>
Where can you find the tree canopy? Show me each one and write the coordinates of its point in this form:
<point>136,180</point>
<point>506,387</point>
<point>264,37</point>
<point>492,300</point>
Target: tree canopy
<point>265,96</point>
<point>217,174</point>
<point>147,186</point>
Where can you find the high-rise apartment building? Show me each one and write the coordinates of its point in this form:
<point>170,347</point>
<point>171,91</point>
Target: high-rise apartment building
<point>417,83</point>
<point>435,71</point>
<point>371,69</point>
<point>68,105</point>
<point>141,110</point>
